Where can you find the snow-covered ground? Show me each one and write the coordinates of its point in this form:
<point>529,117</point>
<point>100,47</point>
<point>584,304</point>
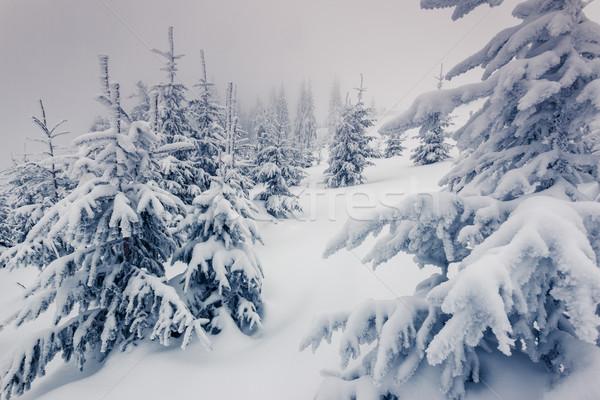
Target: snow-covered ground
<point>299,285</point>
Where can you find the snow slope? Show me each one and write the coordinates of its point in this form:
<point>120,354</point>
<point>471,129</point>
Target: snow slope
<point>299,285</point>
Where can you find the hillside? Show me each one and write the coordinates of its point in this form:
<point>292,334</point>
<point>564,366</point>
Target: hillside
<point>299,286</point>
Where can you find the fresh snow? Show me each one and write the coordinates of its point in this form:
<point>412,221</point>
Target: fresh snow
<point>299,286</point>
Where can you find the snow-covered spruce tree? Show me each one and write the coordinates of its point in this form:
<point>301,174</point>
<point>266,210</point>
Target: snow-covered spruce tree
<point>141,111</point>
<point>37,182</point>
<point>310,131</point>
<point>394,146</point>
<point>260,125</point>
<point>173,117</point>
<point>280,113</point>
<point>6,229</point>
<point>180,175</point>
<point>208,118</point>
<point>518,222</point>
<point>237,145</point>
<point>349,149</point>
<point>275,167</point>
<point>305,125</point>
<point>335,109</point>
<point>223,278</point>
<point>250,124</point>
<point>432,134</point>
<point>231,123</point>
<point>110,97</point>
<point>30,192</point>
<point>109,289</point>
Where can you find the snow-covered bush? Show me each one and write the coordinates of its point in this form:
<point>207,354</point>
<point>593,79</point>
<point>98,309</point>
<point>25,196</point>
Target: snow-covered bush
<point>109,289</point>
<point>515,235</point>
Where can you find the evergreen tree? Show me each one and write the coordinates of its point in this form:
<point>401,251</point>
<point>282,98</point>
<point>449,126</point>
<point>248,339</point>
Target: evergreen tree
<point>349,150</point>
<point>208,135</point>
<point>513,218</point>
<point>394,146</point>
<point>30,192</point>
<point>60,184</point>
<point>109,289</point>
<point>101,250</point>
<point>223,278</point>
<point>260,125</point>
<point>252,118</point>
<point>239,151</point>
<point>378,145</point>
<point>231,123</point>
<point>432,134</point>
<point>35,185</point>
<point>141,111</point>
<point>173,118</point>
<point>246,120</point>
<point>110,97</point>
<point>180,176</point>
<point>6,228</point>
<point>305,125</point>
<point>280,116</point>
<point>275,167</point>
<point>335,109</point>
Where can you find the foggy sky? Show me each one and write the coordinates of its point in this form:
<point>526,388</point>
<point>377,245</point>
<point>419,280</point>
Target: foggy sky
<point>49,50</point>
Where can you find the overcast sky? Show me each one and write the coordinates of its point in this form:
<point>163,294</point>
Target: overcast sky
<point>49,50</point>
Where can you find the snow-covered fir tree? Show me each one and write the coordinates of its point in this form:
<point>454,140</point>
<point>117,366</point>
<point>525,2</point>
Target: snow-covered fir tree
<point>276,168</point>
<point>55,166</point>
<point>260,123</point>
<point>180,175</point>
<point>109,288</point>
<point>432,134</point>
<point>250,124</point>
<point>141,111</point>
<point>335,108</point>
<point>110,97</point>
<point>349,150</point>
<point>223,278</point>
<point>279,200</point>
<point>280,115</point>
<point>513,224</point>
<point>37,182</point>
<point>6,228</point>
<point>173,122</point>
<point>236,144</point>
<point>30,192</point>
<point>305,124</point>
<point>208,135</point>
<point>394,145</point>
<point>232,127</point>
<point>432,147</point>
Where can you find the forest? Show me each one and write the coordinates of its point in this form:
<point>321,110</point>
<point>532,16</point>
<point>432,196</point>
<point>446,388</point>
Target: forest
<point>447,251</point>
